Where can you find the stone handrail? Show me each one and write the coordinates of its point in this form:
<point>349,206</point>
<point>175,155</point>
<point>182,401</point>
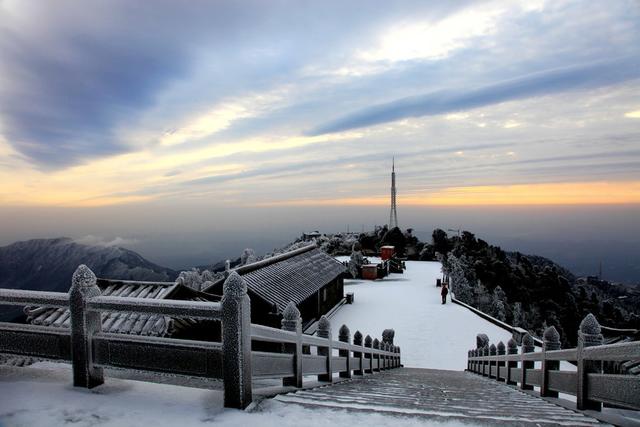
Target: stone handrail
<point>91,351</point>
<point>591,386</point>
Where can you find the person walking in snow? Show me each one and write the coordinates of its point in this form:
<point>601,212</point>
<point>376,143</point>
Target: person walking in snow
<point>444,292</point>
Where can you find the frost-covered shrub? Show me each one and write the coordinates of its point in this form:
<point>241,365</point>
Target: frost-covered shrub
<point>197,280</point>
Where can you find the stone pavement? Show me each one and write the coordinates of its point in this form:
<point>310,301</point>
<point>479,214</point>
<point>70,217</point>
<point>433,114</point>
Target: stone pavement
<point>439,395</point>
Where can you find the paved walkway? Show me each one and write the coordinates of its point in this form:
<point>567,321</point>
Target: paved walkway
<point>439,395</point>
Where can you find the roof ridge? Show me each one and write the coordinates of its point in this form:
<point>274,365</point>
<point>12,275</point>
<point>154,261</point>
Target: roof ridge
<point>274,259</point>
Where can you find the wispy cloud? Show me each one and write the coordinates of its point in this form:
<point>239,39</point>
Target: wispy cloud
<point>583,76</point>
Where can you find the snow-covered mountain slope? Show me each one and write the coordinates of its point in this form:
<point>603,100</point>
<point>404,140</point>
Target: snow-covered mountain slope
<point>431,335</point>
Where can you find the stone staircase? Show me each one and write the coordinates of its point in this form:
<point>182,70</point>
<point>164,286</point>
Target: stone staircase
<point>440,396</point>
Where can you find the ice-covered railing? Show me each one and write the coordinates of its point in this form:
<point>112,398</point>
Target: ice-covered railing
<point>591,386</point>
<point>90,350</point>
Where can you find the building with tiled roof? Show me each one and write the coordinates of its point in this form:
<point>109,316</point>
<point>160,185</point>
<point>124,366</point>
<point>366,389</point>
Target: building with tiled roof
<point>307,276</point>
<point>134,323</point>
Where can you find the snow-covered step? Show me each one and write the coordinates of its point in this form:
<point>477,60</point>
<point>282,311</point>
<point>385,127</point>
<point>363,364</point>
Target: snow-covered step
<point>438,394</point>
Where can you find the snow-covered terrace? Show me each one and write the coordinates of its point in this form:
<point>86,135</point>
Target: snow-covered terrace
<point>430,334</point>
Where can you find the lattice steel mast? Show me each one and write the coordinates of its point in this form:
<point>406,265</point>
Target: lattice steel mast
<point>393,216</point>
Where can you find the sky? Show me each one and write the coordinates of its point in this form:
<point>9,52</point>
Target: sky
<point>205,119</point>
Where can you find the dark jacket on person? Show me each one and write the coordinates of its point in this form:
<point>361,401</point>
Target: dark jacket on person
<point>444,291</point>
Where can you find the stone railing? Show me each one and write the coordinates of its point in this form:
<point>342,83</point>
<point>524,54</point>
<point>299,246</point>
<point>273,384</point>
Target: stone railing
<point>542,370</point>
<point>91,351</point>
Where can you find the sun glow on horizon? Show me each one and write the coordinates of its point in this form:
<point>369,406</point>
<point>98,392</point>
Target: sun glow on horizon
<point>576,193</point>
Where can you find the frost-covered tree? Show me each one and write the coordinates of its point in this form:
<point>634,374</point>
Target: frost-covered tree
<point>499,304</point>
<point>499,311</point>
<point>197,280</point>
<point>356,261</point>
<point>458,275</point>
<point>248,256</point>
<point>518,315</point>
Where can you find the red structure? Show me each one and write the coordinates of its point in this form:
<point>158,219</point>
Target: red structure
<point>370,272</point>
<point>386,252</point>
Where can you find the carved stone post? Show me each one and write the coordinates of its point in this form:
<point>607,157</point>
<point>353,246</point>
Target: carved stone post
<point>324,331</point>
<point>84,324</point>
<point>385,357</point>
<point>527,347</point>
<point>512,348</point>
<point>357,340</point>
<point>344,335</point>
<point>368,343</point>
<point>551,341</point>
<point>291,321</point>
<point>492,352</point>
<point>376,357</point>
<point>485,364</point>
<point>236,342</point>
<point>589,335</point>
<point>501,352</point>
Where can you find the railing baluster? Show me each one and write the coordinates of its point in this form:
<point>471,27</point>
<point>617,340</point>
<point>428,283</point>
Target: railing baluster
<point>512,348</point>
<point>368,343</point>
<point>589,335</point>
<point>357,340</point>
<point>527,347</point>
<point>500,364</point>
<point>324,331</point>
<point>236,341</point>
<point>344,335</point>
<point>492,352</point>
<point>84,324</point>
<point>291,321</point>
<point>376,357</point>
<point>551,341</point>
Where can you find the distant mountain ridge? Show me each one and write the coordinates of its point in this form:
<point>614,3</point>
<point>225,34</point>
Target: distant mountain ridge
<point>48,264</point>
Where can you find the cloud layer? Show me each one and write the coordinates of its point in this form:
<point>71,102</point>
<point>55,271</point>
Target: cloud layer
<point>262,102</point>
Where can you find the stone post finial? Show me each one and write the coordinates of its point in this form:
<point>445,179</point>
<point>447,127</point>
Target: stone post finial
<point>492,350</point>
<point>368,341</point>
<point>528,344</point>
<point>234,286</point>
<point>551,339</point>
<point>344,332</point>
<point>83,277</point>
<point>290,317</point>
<point>512,346</point>
<point>324,327</point>
<point>501,348</point>
<point>590,332</point>
<point>357,338</point>
<point>376,343</point>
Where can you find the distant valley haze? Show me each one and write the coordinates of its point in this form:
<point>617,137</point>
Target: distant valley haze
<point>188,131</point>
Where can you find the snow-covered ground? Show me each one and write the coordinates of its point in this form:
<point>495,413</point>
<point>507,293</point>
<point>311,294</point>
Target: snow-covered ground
<point>42,395</point>
<point>431,335</point>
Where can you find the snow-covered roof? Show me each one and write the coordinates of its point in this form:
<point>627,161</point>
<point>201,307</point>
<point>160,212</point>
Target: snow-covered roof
<point>123,322</point>
<point>292,276</point>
